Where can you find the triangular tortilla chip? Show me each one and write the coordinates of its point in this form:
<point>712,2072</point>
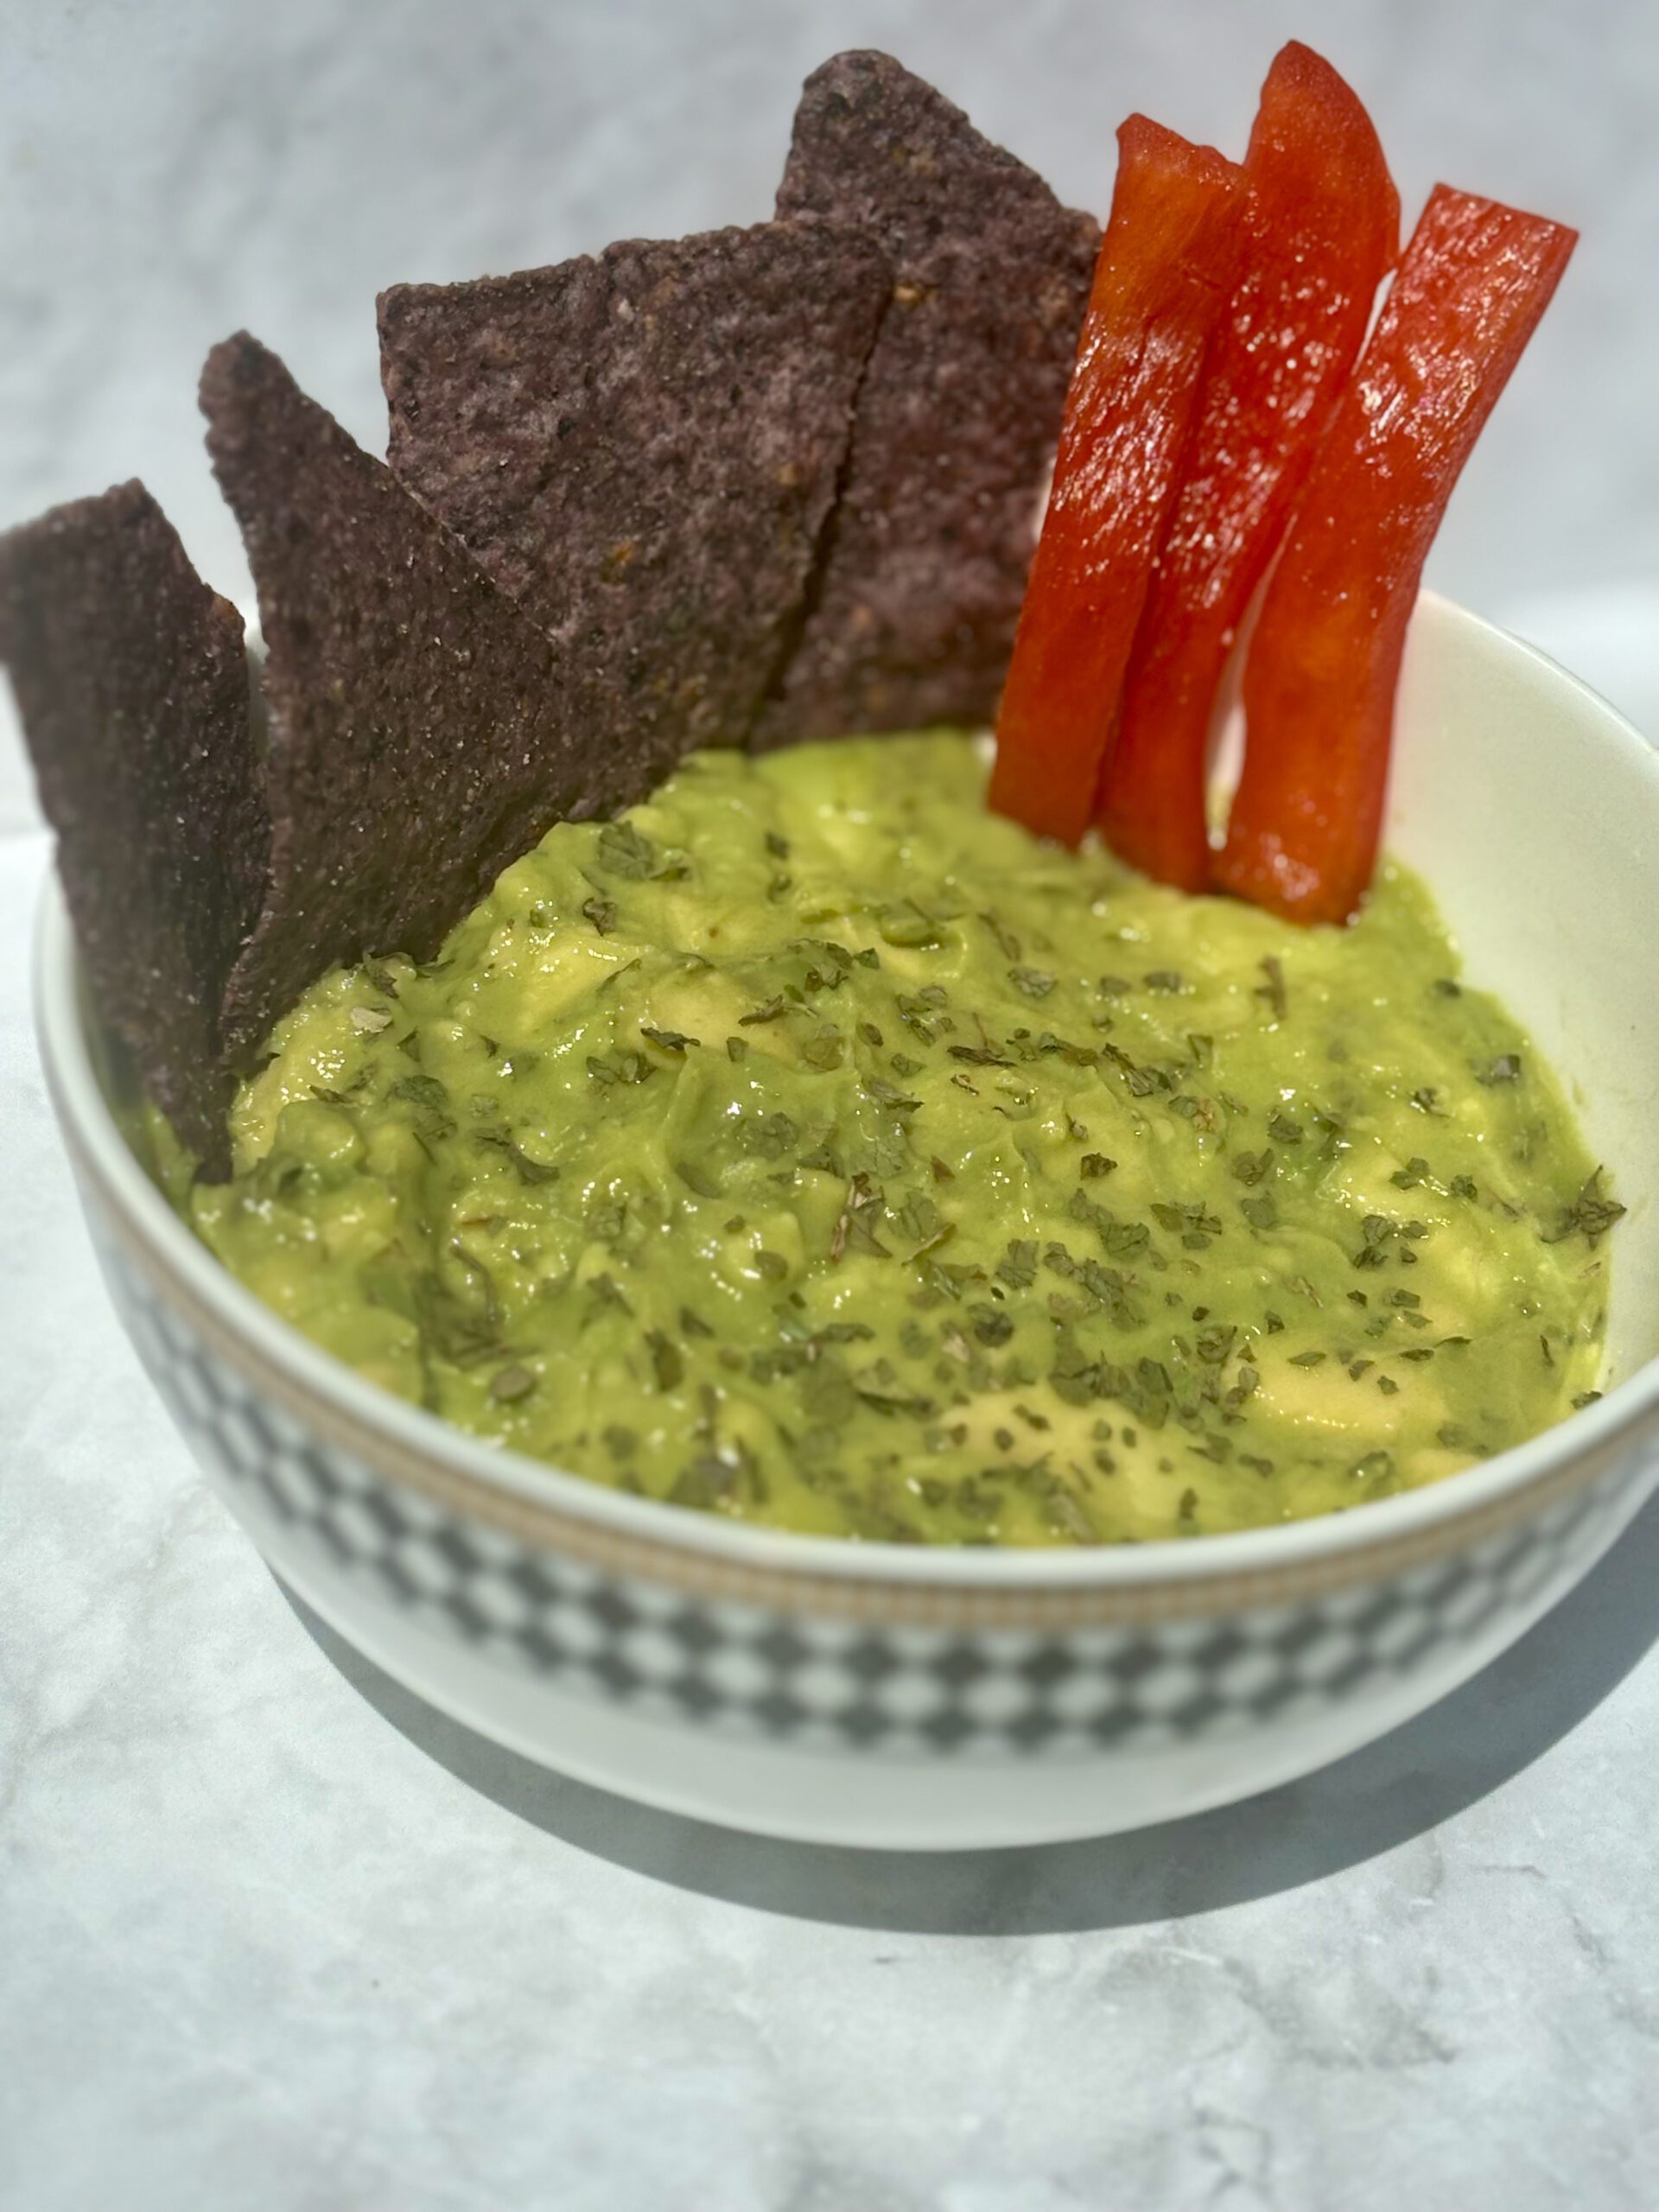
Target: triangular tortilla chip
<point>132,683</point>
<point>913,613</point>
<point>643,449</point>
<point>420,739</point>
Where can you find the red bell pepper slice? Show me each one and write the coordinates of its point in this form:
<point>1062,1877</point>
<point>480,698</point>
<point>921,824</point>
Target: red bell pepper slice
<point>1321,229</point>
<point>1320,674</point>
<point>1166,266</point>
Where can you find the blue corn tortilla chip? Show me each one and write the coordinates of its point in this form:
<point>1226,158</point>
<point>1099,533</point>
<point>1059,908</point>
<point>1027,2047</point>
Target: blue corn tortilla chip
<point>131,680</point>
<point>912,611</point>
<point>785,476</point>
<point>643,449</point>
<point>420,737</point>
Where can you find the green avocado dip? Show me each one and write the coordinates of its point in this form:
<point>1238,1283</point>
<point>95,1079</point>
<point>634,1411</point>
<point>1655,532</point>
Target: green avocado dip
<point>814,1148</point>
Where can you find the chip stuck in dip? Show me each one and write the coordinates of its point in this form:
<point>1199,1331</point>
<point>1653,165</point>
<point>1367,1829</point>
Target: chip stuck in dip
<point>556,1000</point>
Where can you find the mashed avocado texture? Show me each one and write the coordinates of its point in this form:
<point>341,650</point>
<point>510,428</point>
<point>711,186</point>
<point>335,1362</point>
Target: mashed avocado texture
<point>812,1146</point>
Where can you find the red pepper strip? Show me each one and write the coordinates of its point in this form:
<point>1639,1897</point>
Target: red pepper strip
<point>1320,674</point>
<point>1166,266</point>
<point>1321,229</point>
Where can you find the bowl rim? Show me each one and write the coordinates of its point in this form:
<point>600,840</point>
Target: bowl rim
<point>1413,1524</point>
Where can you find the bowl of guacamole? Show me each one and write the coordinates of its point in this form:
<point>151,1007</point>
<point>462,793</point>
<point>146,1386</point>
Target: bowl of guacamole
<point>813,1147</point>
<point>809,1259</point>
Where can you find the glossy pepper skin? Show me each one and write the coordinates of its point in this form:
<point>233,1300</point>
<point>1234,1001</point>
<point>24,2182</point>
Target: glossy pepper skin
<point>1321,670</point>
<point>1320,231</point>
<point>1166,266</point>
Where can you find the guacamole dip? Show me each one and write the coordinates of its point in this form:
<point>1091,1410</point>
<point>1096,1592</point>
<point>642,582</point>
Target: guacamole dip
<point>812,1146</point>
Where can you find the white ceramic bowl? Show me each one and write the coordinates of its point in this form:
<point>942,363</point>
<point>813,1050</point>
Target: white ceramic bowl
<point>895,1696</point>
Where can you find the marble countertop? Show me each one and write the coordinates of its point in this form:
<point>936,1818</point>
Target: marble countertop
<point>273,1938</point>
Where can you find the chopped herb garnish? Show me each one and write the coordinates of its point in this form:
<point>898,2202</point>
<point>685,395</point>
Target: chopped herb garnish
<point>887,1094</point>
<point>924,1226</point>
<point>1125,1240</point>
<point>991,1324</point>
<point>1019,1269</point>
<point>623,851</point>
<point>772,1136</point>
<point>528,1170</point>
<point>822,1051</point>
<point>855,1225</point>
<point>621,1065</point>
<point>667,1361</point>
<point>1591,1215</point>
<point>1185,1218</point>
<point>424,1092</point>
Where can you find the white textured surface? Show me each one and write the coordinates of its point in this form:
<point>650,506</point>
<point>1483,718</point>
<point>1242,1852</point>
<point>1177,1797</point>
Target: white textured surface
<point>261,1950</point>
